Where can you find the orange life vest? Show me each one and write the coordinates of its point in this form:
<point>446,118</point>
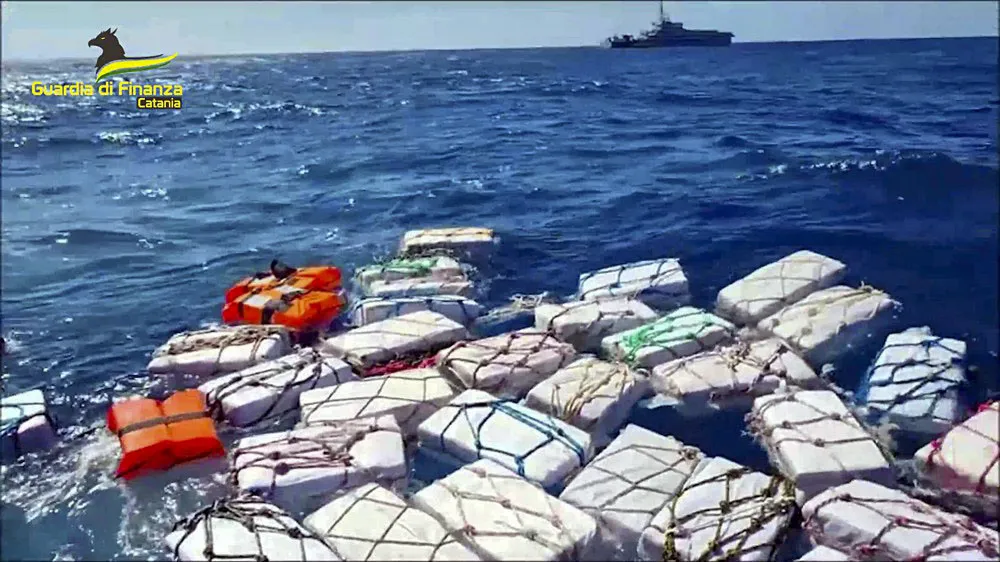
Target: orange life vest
<point>159,436</point>
<point>319,278</point>
<point>293,307</point>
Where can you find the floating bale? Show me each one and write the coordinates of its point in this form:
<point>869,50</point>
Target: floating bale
<point>772,287</point>
<point>434,267</point>
<point>593,395</point>
<point>869,521</point>
<point>417,332</point>
<point>659,283</point>
<point>297,309</point>
<point>478,425</point>
<point>221,349</point>
<point>723,511</point>
<point>731,377</point>
<point>826,323</point>
<point>502,516</point>
<point>583,324</point>
<point>410,396</point>
<point>518,315</point>
<point>25,424</point>
<point>157,436</point>
<point>824,554</point>
<point>469,241</point>
<point>454,307</point>
<point>683,332</point>
<point>915,382</point>
<point>270,390</point>
<point>373,523</point>
<point>245,528</point>
<point>300,469</point>
<point>506,366</point>
<point>314,278</point>
<point>815,441</point>
<point>627,484</point>
<point>966,461</point>
<point>419,287</point>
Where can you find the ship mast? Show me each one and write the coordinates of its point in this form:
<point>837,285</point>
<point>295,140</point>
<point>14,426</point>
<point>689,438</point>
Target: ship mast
<point>661,10</point>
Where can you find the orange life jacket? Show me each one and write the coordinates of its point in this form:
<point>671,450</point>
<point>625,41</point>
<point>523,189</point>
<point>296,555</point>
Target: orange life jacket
<point>159,436</point>
<point>318,278</point>
<point>293,307</point>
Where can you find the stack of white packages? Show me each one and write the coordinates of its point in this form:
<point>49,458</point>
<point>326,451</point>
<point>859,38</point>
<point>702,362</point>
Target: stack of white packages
<point>221,349</point>
<point>411,396</point>
<point>593,395</point>
<point>507,365</point>
<point>683,332</point>
<point>915,382</point>
<point>732,376</point>
<point>871,522</point>
<point>454,307</point>
<point>826,323</point>
<point>824,554</point>
<point>417,332</point>
<point>772,287</point>
<point>966,460</point>
<point>724,512</point>
<point>814,440</point>
<point>373,523</point>
<point>299,469</point>
<point>659,283</point>
<point>26,426</point>
<point>435,267</point>
<point>246,528</point>
<point>583,324</point>
<point>470,241</point>
<point>272,389</point>
<point>420,287</point>
<point>627,484</point>
<point>477,425</point>
<point>501,516</point>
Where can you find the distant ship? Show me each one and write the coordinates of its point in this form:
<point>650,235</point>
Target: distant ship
<point>666,33</point>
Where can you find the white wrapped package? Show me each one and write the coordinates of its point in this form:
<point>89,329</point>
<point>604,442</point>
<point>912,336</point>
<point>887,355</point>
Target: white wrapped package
<point>245,529</point>
<point>824,554</point>
<point>477,425</point>
<point>300,469</point>
<point>417,332</point>
<point>593,395</point>
<point>454,307</point>
<point>628,483</point>
<point>724,512</point>
<point>370,522</point>
<point>435,267</point>
<point>583,324</point>
<point>411,396</point>
<point>966,460</point>
<point>814,440</point>
<point>772,287</point>
<point>270,390</point>
<point>915,382</point>
<point>419,287</point>
<point>732,376</point>
<point>683,332</point>
<point>222,349</point>
<point>471,241</point>
<point>26,425</point>
<point>871,522</point>
<point>507,365</point>
<point>501,516</point>
<point>827,323</point>
<point>659,283</point>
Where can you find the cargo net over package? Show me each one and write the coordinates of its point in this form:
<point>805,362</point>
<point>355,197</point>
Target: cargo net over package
<point>318,396</point>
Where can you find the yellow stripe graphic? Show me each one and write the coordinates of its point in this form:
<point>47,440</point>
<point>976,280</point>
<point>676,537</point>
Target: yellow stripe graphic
<point>117,67</point>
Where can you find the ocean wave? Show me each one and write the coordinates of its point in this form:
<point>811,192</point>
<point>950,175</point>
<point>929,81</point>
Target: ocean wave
<point>128,138</point>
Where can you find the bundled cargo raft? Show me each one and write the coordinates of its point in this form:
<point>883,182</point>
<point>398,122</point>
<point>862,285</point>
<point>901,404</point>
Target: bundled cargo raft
<point>26,424</point>
<point>472,242</point>
<point>419,287</point>
<point>417,332</point>
<point>372,523</point>
<point>454,307</point>
<point>583,324</point>
<point>433,267</point>
<point>683,332</point>
<point>302,299</point>
<point>502,516</point>
<point>660,283</point>
<point>519,314</point>
<point>221,349</point>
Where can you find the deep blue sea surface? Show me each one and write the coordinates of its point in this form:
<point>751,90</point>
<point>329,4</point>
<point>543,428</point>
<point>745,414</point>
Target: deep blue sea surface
<point>122,227</point>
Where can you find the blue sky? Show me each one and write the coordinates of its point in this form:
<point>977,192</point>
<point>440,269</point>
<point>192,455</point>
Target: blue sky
<point>40,30</point>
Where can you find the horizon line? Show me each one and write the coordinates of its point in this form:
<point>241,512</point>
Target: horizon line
<point>464,49</point>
